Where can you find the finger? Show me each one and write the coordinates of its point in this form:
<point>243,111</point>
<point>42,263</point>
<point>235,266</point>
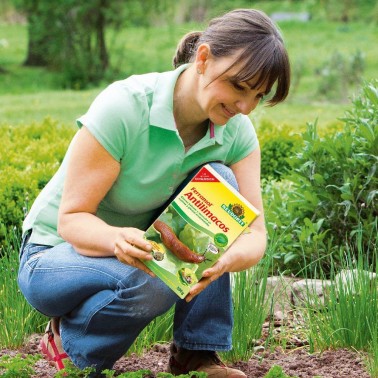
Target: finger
<point>128,260</point>
<point>199,287</point>
<point>211,275</point>
<point>125,248</point>
<point>139,242</point>
<point>216,270</point>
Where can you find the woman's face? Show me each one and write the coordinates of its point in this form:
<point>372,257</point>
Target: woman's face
<point>219,96</point>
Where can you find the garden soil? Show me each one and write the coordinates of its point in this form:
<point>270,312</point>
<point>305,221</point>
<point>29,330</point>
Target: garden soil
<point>295,362</point>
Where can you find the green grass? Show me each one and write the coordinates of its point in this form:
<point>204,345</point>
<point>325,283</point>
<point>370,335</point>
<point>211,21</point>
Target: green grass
<point>31,94</point>
<point>348,316</point>
<point>372,358</point>
<point>62,106</point>
<point>250,311</point>
<point>17,318</point>
<point>295,116</point>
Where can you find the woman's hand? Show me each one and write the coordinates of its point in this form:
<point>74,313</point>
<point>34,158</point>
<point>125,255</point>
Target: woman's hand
<point>208,276</point>
<point>82,194</point>
<point>248,248</point>
<point>130,247</point>
<point>245,252</point>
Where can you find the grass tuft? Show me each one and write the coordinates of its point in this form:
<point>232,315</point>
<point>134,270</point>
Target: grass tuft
<point>17,318</point>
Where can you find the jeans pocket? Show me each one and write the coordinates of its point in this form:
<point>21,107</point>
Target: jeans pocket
<point>33,252</point>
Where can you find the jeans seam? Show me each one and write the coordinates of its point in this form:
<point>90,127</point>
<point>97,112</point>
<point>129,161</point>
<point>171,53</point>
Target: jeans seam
<point>90,315</point>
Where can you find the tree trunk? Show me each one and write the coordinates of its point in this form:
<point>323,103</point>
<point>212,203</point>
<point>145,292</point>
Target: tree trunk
<point>38,37</point>
<point>35,55</point>
<point>100,31</point>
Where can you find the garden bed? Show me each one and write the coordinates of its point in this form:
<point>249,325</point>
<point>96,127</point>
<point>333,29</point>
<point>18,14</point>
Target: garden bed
<point>298,362</point>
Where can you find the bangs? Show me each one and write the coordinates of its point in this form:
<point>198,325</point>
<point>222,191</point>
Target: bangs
<point>264,65</point>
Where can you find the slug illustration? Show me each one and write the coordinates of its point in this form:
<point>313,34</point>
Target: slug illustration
<point>187,276</point>
<point>179,249</point>
<point>158,252</point>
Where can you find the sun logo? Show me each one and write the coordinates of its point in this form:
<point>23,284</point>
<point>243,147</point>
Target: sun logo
<point>237,209</point>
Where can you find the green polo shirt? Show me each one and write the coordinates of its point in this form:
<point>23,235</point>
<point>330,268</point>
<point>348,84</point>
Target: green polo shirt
<point>133,120</point>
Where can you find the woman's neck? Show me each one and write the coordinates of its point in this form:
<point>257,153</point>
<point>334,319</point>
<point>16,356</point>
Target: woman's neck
<point>190,121</point>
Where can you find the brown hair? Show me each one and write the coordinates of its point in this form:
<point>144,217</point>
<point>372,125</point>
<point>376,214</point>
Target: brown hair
<point>263,54</point>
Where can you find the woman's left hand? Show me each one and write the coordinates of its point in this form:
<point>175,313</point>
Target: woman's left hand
<point>208,276</point>
<point>248,248</point>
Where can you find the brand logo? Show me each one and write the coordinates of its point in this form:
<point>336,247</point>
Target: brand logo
<point>236,211</point>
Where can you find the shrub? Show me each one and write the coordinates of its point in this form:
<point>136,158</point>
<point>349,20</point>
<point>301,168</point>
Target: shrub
<point>277,146</point>
<point>29,157</point>
<point>331,192</point>
<point>339,74</point>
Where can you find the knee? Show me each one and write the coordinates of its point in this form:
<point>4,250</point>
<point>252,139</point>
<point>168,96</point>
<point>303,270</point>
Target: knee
<point>149,298</point>
<point>226,173</point>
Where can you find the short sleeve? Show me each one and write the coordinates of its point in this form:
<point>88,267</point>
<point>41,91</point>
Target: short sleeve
<point>112,117</point>
<point>245,140</point>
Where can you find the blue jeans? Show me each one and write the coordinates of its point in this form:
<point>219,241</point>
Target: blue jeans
<point>104,304</point>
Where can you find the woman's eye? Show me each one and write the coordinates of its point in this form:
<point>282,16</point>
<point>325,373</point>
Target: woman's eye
<point>238,86</point>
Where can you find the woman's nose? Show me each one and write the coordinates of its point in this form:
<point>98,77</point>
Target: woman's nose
<point>247,104</point>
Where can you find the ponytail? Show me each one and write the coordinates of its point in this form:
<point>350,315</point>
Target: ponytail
<point>186,48</point>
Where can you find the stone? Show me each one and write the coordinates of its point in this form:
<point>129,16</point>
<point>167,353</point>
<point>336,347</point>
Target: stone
<point>278,293</point>
<point>310,292</point>
<point>352,280</point>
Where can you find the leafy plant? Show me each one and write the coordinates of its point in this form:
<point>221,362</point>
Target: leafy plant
<point>277,372</point>
<point>192,374</point>
<point>331,191</point>
<point>30,156</point>
<point>17,366</point>
<point>278,144</point>
<point>71,371</point>
<point>133,374</point>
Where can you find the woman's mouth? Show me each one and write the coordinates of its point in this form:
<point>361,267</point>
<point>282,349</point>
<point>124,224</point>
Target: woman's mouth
<point>229,113</point>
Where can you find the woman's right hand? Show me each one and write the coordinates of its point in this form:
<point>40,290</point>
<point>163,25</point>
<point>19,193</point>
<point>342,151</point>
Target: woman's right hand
<point>130,247</point>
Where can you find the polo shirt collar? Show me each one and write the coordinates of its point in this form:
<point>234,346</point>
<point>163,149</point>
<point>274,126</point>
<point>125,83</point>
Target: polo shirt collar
<point>218,133</point>
<point>161,112</point>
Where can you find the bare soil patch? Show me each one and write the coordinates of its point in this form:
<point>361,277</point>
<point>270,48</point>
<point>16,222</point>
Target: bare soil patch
<point>298,362</point>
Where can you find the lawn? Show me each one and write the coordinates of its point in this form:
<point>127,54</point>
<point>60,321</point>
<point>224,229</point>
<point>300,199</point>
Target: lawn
<point>30,94</point>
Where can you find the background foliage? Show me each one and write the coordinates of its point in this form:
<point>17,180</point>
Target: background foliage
<point>330,192</point>
<point>141,37</point>
<point>319,148</point>
<point>32,155</point>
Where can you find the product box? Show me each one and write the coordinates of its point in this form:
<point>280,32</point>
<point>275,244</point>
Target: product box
<point>196,228</point>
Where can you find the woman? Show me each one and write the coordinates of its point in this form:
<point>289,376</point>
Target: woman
<point>142,137</point>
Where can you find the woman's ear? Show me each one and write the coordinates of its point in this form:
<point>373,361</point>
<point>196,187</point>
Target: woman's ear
<point>202,56</point>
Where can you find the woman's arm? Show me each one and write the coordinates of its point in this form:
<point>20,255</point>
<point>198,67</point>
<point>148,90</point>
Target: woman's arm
<point>91,172</point>
<point>248,248</point>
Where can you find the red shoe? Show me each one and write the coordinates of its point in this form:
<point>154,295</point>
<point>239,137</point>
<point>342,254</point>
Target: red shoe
<point>48,345</point>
